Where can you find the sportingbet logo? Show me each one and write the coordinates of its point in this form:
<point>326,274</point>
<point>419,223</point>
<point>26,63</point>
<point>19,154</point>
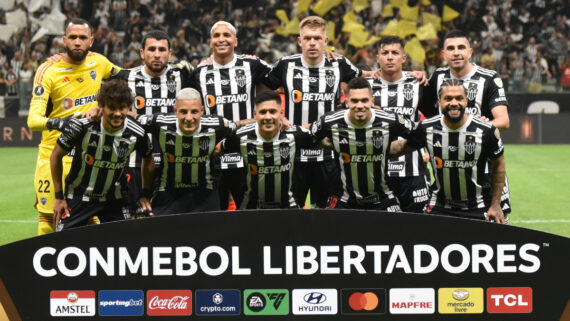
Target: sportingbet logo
<point>412,301</point>
<point>72,303</point>
<point>460,300</point>
<point>315,301</point>
<point>363,301</point>
<point>266,302</point>
<point>169,302</point>
<point>121,303</point>
<point>509,300</point>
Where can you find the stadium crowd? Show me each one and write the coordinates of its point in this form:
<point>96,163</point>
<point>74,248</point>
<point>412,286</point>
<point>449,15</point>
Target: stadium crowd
<point>525,41</point>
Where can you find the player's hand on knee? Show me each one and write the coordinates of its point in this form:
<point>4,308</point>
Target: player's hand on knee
<point>495,214</point>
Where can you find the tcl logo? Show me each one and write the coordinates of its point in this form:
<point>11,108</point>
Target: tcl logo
<point>169,302</point>
<point>509,300</point>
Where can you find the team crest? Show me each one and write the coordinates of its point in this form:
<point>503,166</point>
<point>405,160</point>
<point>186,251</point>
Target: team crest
<point>330,78</point>
<point>171,85</point>
<point>408,92</point>
<point>470,144</point>
<point>377,139</point>
<point>43,200</point>
<point>471,91</point>
<point>284,151</point>
<point>241,80</point>
<point>204,143</point>
<point>93,75</point>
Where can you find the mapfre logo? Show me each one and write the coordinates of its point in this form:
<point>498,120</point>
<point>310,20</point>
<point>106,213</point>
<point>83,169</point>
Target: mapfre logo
<point>509,300</point>
<point>169,302</point>
<point>412,301</point>
<point>72,303</point>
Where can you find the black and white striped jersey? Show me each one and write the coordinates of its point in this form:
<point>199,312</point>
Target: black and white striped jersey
<point>269,163</point>
<point>100,157</point>
<point>229,90</point>
<point>458,158</point>
<point>401,97</point>
<point>363,151</point>
<point>155,95</point>
<point>310,91</point>
<point>187,158</point>
<point>484,89</point>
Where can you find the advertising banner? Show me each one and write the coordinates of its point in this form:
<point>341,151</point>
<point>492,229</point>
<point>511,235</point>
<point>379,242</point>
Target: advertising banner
<point>289,265</point>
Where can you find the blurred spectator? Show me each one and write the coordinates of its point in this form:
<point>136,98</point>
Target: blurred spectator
<point>26,77</point>
<point>565,74</point>
<point>11,100</point>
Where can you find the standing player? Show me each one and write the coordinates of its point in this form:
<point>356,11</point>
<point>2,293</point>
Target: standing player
<point>95,185</point>
<point>400,93</point>
<point>485,92</point>
<point>154,85</point>
<point>187,140</point>
<point>362,135</point>
<point>228,87</point>
<point>269,155</point>
<point>312,88</point>
<point>61,89</point>
<point>460,145</point>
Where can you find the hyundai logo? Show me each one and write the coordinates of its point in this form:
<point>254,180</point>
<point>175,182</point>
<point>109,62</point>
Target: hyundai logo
<point>315,298</point>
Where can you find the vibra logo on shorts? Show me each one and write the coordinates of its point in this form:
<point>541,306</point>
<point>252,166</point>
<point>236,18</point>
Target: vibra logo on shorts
<point>509,300</point>
<point>217,302</point>
<point>121,303</point>
<point>72,303</point>
<point>412,301</point>
<point>266,302</point>
<point>460,300</point>
<point>315,301</point>
<point>363,301</point>
<point>169,302</point>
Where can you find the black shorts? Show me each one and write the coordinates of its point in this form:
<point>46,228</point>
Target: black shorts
<point>412,192</point>
<point>322,178</point>
<point>389,205</point>
<point>80,212</point>
<point>186,201</point>
<point>231,181</point>
<point>134,186</point>
<point>477,213</point>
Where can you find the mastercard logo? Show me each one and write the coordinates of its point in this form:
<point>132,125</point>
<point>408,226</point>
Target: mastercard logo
<point>296,96</point>
<point>345,157</point>
<point>140,102</point>
<point>170,157</point>
<point>359,301</point>
<point>89,159</point>
<point>438,162</point>
<point>211,100</point>
<point>67,103</point>
<point>253,169</point>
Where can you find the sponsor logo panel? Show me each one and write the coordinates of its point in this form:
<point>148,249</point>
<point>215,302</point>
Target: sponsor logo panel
<point>217,302</point>
<point>72,303</point>
<point>266,302</point>
<point>315,301</point>
<point>363,301</point>
<point>460,300</point>
<point>121,302</point>
<point>412,301</point>
<point>509,300</point>
<point>169,302</point>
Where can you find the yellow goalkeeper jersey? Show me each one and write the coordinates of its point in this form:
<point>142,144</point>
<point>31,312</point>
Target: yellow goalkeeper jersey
<point>61,89</point>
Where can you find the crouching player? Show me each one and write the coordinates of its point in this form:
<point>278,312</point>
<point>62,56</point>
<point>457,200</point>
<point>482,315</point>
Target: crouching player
<point>96,184</point>
<point>187,140</point>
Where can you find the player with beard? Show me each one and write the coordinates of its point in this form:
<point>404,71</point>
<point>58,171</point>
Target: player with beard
<point>485,92</point>
<point>62,89</point>
<point>460,145</point>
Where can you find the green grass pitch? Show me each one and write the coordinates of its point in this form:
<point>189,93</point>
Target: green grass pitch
<point>538,176</point>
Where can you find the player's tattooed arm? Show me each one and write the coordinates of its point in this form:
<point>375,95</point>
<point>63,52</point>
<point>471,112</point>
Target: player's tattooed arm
<point>495,213</point>
<point>60,208</point>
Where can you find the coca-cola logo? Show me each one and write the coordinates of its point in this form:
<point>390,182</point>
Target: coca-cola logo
<point>169,302</point>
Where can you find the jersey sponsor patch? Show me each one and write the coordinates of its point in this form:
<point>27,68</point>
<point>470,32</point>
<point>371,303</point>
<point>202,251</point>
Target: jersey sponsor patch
<point>39,90</point>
